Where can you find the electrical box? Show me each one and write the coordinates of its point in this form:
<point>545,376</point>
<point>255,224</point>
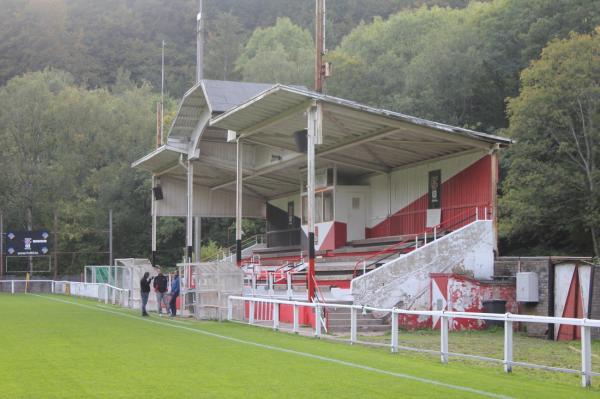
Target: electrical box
<point>527,287</point>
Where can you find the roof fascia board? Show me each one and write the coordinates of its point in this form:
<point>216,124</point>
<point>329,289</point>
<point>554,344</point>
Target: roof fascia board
<point>156,152</point>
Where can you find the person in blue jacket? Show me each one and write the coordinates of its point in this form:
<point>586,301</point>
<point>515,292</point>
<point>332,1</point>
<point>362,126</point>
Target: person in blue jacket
<point>174,294</point>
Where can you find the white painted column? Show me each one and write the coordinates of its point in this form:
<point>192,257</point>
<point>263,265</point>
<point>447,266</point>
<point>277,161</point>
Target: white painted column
<point>190,210</point>
<point>311,135</point>
<point>197,237</point>
<point>238,203</point>
<point>153,212</point>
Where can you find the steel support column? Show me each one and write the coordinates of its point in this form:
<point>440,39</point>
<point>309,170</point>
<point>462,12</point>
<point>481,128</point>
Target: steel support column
<point>312,117</point>
<point>197,237</point>
<point>153,211</point>
<point>190,210</point>
<point>238,203</point>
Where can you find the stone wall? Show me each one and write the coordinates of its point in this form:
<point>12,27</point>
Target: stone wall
<point>507,268</point>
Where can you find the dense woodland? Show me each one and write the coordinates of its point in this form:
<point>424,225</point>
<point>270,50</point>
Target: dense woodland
<point>79,82</point>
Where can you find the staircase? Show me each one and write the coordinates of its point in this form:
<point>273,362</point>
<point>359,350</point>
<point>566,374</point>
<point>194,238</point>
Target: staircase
<point>338,322</point>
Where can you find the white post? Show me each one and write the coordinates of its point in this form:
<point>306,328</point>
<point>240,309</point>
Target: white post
<point>106,294</point>
<point>425,238</point>
<point>364,262</point>
<point>485,213</point>
<point>586,356</point>
<point>251,313</point>
<point>253,283</point>
<point>394,344</point>
<point>114,292</point>
<point>317,321</point>
<point>239,177</point>
<point>189,222</point>
<point>352,325</point>
<point>434,233</point>
<point>275,316</point>
<point>270,281</point>
<point>229,309</point>
<point>12,286</point>
<point>52,287</point>
<point>416,241</point>
<point>295,328</point>
<point>476,213</point>
<point>290,292</point>
<point>444,338</point>
<point>508,345</point>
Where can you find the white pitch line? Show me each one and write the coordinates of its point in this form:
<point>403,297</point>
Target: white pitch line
<point>290,351</point>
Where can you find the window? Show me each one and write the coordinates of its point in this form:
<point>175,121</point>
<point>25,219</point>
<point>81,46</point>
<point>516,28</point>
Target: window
<point>323,207</point>
<point>355,202</point>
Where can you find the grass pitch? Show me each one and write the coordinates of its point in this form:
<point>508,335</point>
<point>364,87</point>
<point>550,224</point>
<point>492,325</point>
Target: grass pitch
<point>61,347</point>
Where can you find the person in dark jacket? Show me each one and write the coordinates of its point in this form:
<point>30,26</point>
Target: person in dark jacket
<point>174,294</point>
<point>145,291</point>
<point>160,287</point>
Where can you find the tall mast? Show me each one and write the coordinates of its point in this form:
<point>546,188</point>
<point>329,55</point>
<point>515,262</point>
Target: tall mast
<point>199,44</point>
<point>320,45</point>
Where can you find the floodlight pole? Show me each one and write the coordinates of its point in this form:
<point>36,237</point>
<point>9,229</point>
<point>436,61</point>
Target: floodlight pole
<point>199,44</point>
<point>55,245</point>
<point>320,45</point>
<point>110,237</point>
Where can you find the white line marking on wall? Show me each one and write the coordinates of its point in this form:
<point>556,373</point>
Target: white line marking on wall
<point>289,351</point>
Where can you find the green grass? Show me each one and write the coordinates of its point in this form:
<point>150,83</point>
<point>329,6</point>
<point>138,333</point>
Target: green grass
<point>80,349</point>
<point>490,343</point>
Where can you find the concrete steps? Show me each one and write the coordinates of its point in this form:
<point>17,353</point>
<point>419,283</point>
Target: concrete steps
<point>338,321</point>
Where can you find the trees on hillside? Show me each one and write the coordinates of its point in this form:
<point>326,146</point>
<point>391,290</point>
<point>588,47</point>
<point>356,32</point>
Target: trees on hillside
<point>283,53</point>
<point>552,191</point>
<point>68,151</point>
<point>453,65</point>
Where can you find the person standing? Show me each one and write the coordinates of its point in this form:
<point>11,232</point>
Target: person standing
<point>160,286</point>
<point>145,292</point>
<point>174,294</point>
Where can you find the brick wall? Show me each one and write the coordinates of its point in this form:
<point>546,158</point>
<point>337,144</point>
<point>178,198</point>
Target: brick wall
<point>507,268</point>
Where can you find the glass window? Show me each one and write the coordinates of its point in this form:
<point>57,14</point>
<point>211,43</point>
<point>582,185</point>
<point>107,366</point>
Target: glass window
<point>328,206</point>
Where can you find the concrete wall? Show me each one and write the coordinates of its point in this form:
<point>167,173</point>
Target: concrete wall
<point>410,183</point>
<point>207,203</point>
<point>406,279</point>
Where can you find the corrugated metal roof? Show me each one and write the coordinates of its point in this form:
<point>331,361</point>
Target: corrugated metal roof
<point>223,95</point>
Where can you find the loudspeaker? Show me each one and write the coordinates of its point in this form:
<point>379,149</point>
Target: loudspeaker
<point>301,139</point>
<point>158,194</point>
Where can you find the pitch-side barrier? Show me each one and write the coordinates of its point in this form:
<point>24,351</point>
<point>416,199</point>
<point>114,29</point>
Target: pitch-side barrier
<point>444,316</point>
<point>103,292</point>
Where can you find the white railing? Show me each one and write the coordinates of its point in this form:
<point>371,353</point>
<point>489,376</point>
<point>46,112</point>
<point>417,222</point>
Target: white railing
<point>100,291</point>
<point>585,324</point>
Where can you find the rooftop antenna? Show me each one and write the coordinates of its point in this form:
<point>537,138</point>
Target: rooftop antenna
<point>199,44</point>
<point>321,68</point>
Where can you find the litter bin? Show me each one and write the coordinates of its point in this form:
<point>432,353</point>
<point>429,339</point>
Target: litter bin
<point>494,306</point>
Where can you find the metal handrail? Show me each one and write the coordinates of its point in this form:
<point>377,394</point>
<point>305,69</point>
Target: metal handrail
<point>390,250</point>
